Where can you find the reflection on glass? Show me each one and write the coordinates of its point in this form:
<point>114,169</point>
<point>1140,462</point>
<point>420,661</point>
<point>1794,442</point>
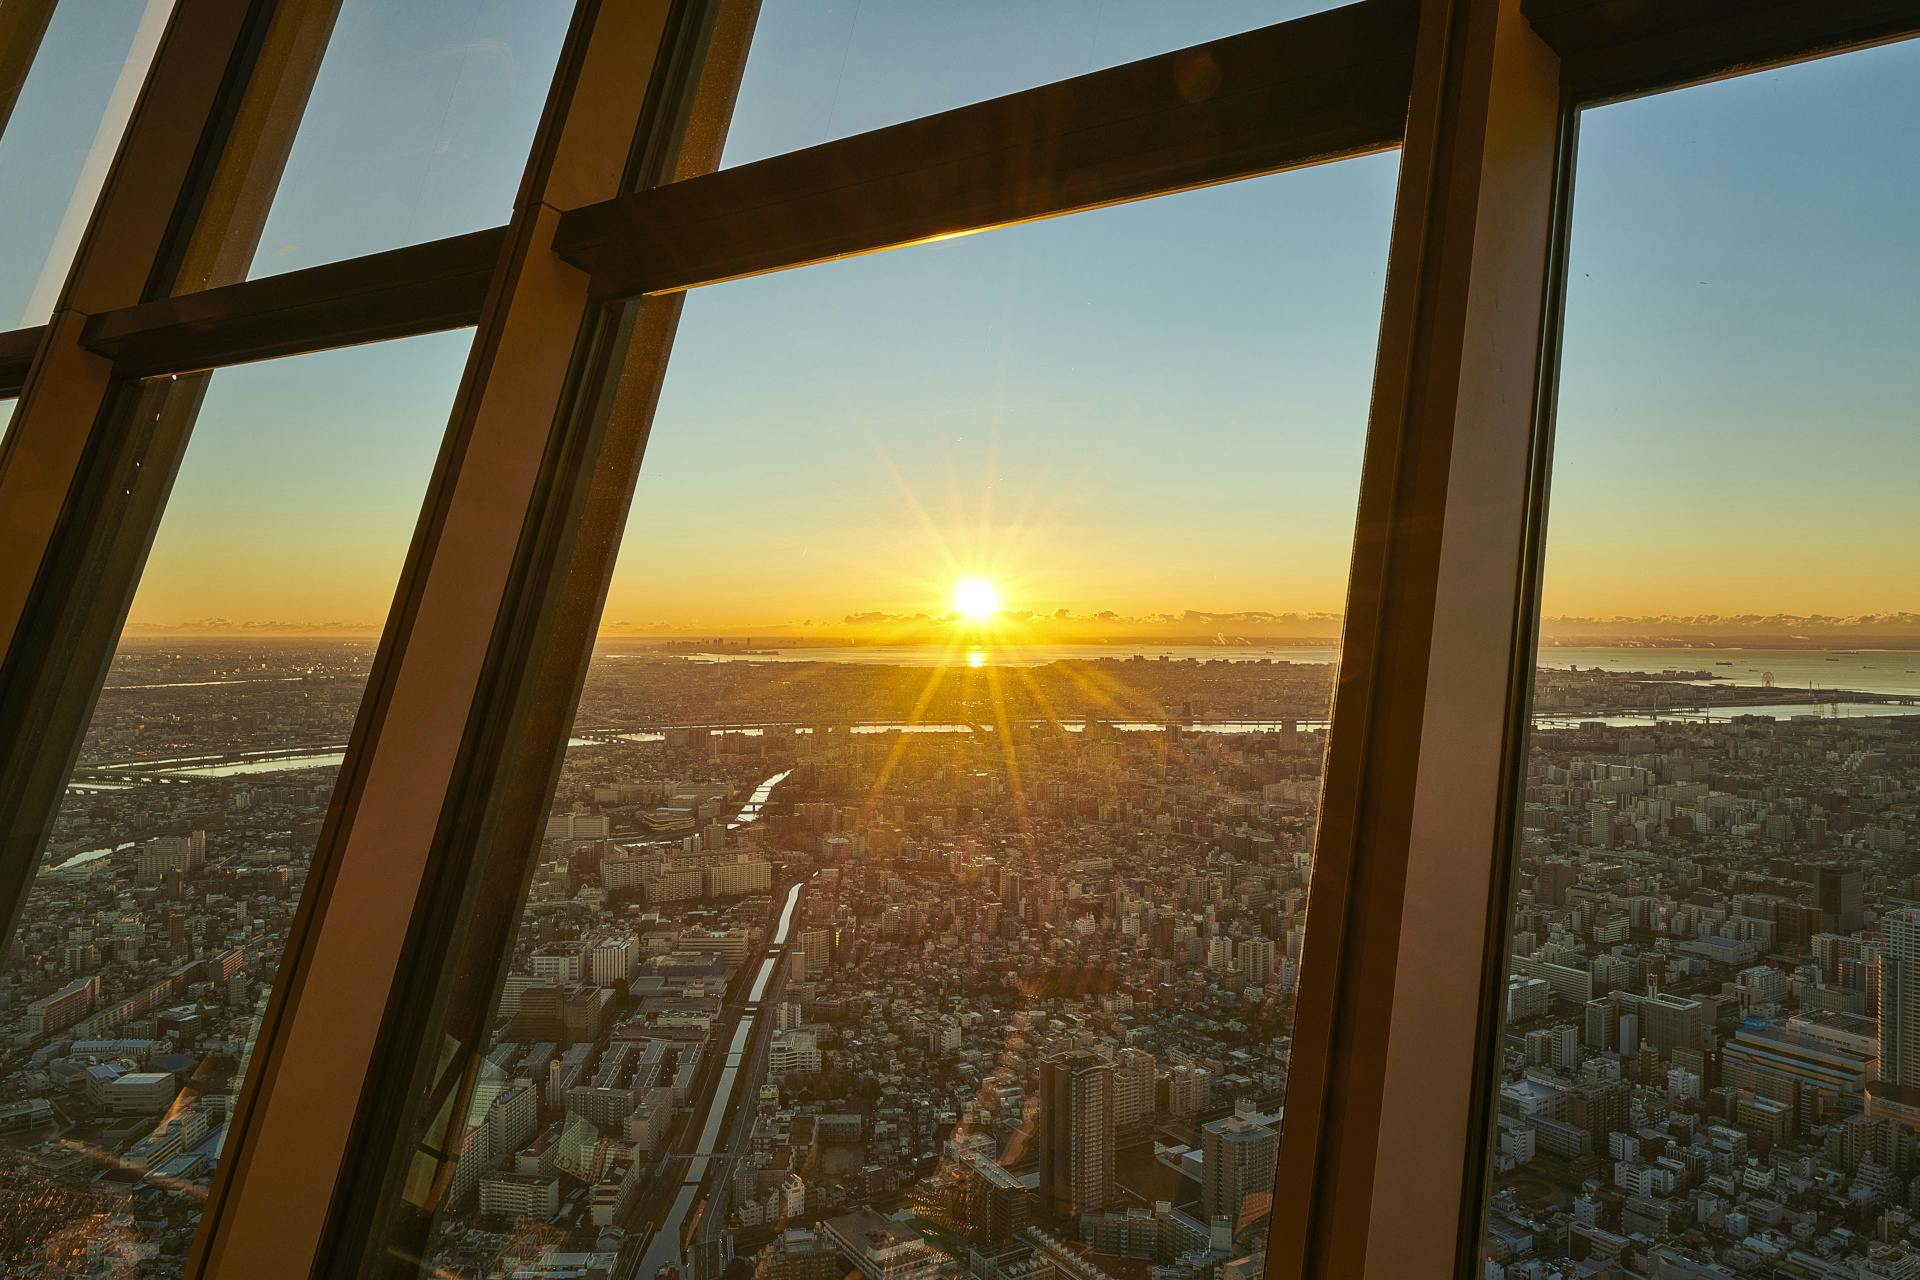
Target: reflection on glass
<point>60,140</point>
<point>418,127</point>
<point>825,69</point>
<point>928,864</point>
<point>143,957</point>
<point>1714,986</point>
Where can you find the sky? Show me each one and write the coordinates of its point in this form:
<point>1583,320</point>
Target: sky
<point>1150,411</point>
<point>1739,414</point>
<point>60,138</point>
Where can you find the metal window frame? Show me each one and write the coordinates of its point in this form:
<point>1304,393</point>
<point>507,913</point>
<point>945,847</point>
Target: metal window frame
<point>1382,1161</point>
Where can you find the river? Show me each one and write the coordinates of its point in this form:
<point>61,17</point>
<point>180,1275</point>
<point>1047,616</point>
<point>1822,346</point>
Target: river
<point>1893,672</point>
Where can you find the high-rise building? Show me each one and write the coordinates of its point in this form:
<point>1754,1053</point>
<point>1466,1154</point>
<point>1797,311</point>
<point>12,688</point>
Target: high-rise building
<point>1839,892</point>
<point>1076,1133</point>
<point>1256,957</point>
<point>1900,998</point>
<point>816,950</point>
<point>1237,1168</point>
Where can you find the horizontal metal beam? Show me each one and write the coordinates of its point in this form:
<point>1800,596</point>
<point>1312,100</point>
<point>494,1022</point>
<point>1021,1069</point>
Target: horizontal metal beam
<point>16,357</point>
<point>422,288</point>
<point>1612,49</point>
<point>1330,85</point>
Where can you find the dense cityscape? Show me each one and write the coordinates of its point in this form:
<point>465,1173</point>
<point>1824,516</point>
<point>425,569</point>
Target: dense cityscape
<point>1713,1039</point>
<point>801,992</point>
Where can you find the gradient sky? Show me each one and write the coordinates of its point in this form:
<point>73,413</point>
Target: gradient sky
<point>297,497</point>
<point>1152,408</point>
<point>63,115</point>
<point>1739,425</point>
<point>418,127</point>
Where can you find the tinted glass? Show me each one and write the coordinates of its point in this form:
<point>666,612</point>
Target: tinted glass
<point>1714,994</point>
<point>418,127</point>
<point>143,957</point>
<point>825,69</point>
<point>929,860</point>
<point>60,139</point>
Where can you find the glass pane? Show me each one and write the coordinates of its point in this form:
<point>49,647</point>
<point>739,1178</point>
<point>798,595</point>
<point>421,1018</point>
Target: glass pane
<point>943,789</point>
<point>60,140</point>
<point>418,127</point>
<point>825,69</point>
<point>1708,1063</point>
<point>143,957</point>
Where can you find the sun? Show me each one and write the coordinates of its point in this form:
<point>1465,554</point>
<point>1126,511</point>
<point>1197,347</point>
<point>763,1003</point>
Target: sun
<point>975,599</point>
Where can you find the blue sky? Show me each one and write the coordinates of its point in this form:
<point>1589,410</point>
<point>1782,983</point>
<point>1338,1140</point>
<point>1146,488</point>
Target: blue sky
<point>1153,407</point>
<point>1739,424</point>
<point>48,138</point>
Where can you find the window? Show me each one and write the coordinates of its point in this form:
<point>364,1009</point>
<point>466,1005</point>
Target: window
<point>826,69</point>
<point>901,860</point>
<point>144,954</point>
<point>60,138</point>
<point>1712,939</point>
<point>957,719</point>
<point>417,128</point>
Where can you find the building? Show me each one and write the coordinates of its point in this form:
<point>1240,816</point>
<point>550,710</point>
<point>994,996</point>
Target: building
<point>993,1203</point>
<point>1188,1088</point>
<point>1900,998</point>
<point>880,1249</point>
<point>816,947</point>
<point>141,1092</point>
<point>1238,1154</point>
<point>1821,1081</point>
<point>509,1112</point>
<point>1527,997</point>
<point>579,826</point>
<point>1896,1093</point>
<point>1075,1137</point>
<point>1256,961</point>
<point>63,1008</point>
<point>1669,1022</point>
<point>519,1195</point>
<point>793,1052</point>
<point>558,966</point>
<point>1135,1075</point>
<point>740,875</point>
<point>1838,892</point>
<point>613,961</point>
<point>170,853</point>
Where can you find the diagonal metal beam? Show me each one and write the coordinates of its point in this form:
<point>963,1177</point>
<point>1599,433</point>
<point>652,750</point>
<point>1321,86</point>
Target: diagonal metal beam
<point>1613,49</point>
<point>16,357</point>
<point>1384,1112</point>
<point>1318,88</point>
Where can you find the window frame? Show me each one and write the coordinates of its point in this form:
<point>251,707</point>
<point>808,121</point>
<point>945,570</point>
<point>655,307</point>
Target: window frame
<point>1426,749</point>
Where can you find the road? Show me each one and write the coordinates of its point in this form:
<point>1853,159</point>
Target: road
<point>731,1095</point>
